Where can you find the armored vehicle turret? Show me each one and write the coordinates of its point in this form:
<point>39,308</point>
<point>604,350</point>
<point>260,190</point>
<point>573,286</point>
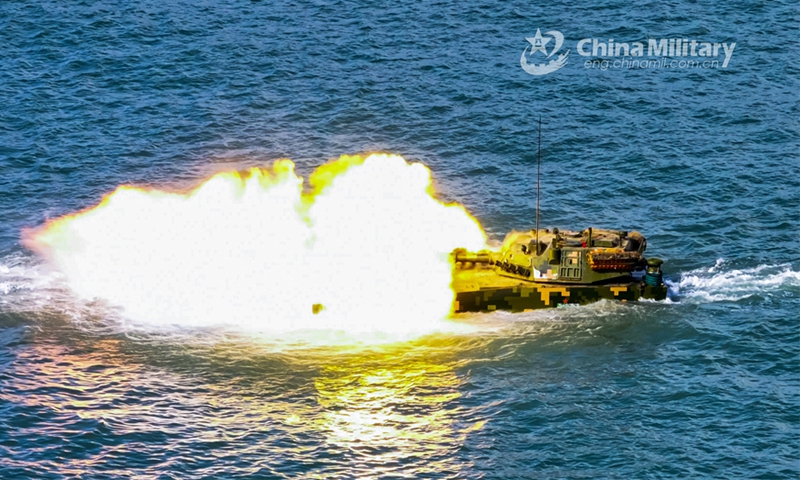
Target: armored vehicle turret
<point>550,267</point>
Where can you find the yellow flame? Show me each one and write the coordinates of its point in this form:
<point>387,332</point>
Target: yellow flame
<point>365,249</point>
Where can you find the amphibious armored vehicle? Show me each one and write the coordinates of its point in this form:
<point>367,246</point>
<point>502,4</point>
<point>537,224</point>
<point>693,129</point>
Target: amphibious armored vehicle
<point>549,268</point>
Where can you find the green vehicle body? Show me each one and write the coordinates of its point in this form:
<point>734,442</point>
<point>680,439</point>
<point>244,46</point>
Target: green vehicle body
<point>547,268</point>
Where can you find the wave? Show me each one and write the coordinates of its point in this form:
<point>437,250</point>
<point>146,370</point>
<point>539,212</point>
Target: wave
<point>722,282</point>
<point>24,280</point>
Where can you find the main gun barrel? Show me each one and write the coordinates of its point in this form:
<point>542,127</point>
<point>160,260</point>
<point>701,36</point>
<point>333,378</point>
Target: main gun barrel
<point>473,257</point>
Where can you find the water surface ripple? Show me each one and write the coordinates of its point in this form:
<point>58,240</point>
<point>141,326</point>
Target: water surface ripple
<point>703,161</point>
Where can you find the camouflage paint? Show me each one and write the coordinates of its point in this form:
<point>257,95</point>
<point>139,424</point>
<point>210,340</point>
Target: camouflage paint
<point>524,298</point>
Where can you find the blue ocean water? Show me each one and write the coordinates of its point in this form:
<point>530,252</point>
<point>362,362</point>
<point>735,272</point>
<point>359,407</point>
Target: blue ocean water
<point>703,161</point>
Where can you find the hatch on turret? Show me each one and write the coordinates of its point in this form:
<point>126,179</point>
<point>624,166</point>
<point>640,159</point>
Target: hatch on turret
<point>571,264</point>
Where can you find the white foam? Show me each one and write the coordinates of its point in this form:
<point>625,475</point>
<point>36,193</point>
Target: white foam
<point>20,276</point>
<point>720,284</point>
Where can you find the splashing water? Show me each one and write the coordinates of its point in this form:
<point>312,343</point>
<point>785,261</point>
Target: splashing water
<point>718,284</point>
<point>365,248</point>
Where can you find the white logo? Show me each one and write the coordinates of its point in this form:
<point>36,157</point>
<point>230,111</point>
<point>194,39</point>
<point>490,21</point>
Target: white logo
<point>539,44</point>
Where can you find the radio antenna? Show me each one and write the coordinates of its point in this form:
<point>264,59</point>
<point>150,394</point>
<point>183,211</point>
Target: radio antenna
<point>538,176</point>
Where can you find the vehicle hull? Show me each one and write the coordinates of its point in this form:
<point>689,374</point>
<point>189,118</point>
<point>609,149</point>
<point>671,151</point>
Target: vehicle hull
<point>521,296</point>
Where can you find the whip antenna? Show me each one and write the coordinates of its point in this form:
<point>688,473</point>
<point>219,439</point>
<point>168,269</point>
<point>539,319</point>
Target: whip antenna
<point>538,176</point>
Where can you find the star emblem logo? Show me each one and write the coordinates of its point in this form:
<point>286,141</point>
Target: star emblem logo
<point>538,43</point>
